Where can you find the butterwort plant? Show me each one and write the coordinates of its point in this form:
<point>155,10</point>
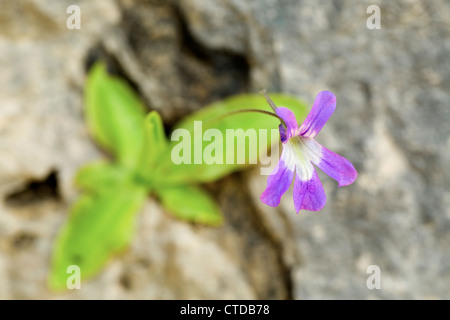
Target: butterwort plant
<point>102,221</point>
<point>300,152</point>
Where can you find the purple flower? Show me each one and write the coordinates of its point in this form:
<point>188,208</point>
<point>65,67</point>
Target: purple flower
<point>300,152</point>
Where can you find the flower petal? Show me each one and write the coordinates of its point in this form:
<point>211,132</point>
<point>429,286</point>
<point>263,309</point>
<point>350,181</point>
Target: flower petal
<point>336,166</point>
<point>283,133</point>
<point>289,118</point>
<point>309,194</point>
<point>278,183</point>
<point>323,108</point>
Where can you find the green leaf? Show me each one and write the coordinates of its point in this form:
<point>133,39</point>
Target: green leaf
<point>102,175</point>
<point>114,115</point>
<point>155,144</point>
<point>99,226</point>
<point>190,203</point>
<point>213,116</point>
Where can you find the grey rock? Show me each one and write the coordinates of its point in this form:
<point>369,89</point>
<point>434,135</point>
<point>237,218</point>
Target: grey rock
<point>391,121</point>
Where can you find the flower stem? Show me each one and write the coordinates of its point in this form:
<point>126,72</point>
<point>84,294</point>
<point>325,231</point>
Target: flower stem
<point>256,111</point>
<point>269,101</point>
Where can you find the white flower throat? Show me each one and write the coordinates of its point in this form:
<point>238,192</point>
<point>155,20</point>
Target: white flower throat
<point>300,153</point>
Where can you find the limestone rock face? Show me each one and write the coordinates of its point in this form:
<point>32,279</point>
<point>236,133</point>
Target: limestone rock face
<point>392,122</point>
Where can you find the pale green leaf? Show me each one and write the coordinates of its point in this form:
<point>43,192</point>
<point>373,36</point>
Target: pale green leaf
<point>101,175</point>
<point>214,117</point>
<point>155,145</point>
<point>114,115</point>
<point>190,203</point>
<point>99,226</point>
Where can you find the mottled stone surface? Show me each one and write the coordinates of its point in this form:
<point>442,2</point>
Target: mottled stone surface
<point>392,122</point>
